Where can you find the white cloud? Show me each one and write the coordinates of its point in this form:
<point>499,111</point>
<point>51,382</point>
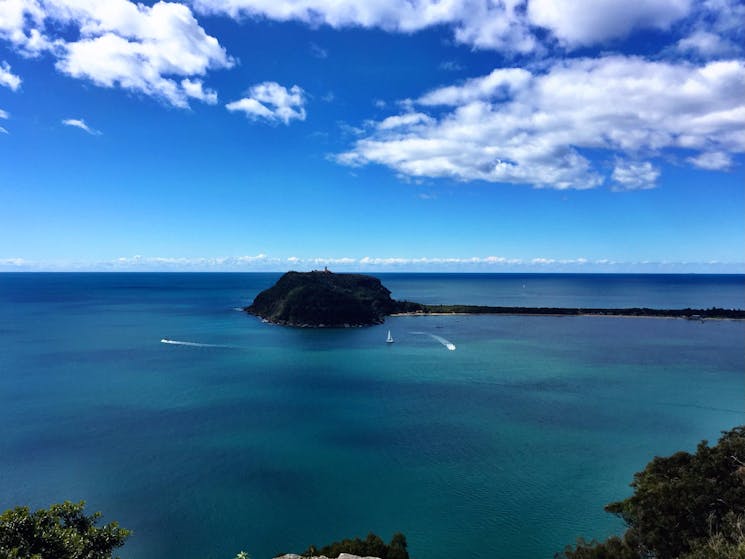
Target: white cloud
<point>8,78</point>
<point>4,114</point>
<point>195,89</point>
<point>11,263</point>
<point>80,123</point>
<point>155,50</point>
<point>517,26</point>
<point>139,262</point>
<point>408,119</point>
<point>480,23</point>
<point>493,25</point>
<point>370,264</point>
<point>631,175</point>
<point>721,16</point>
<point>711,161</point>
<point>499,83</point>
<point>533,128</point>
<point>167,40</point>
<point>391,15</point>
<point>587,22</point>
<point>706,44</point>
<point>714,30</point>
<point>19,22</point>
<point>272,102</point>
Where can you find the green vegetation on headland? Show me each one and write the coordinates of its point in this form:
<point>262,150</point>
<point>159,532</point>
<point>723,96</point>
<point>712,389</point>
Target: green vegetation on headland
<point>326,299</point>
<point>685,506</point>
<point>570,311</point>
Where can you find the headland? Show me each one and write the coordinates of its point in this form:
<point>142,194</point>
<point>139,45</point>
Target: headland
<point>321,299</point>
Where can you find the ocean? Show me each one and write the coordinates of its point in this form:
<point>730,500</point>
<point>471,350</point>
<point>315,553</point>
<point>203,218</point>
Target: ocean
<point>267,439</point>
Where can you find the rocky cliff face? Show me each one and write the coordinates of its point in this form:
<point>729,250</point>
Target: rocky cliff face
<point>324,299</point>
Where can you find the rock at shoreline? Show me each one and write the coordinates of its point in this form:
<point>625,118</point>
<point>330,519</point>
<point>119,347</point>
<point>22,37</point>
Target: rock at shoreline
<point>341,556</point>
<point>324,299</point>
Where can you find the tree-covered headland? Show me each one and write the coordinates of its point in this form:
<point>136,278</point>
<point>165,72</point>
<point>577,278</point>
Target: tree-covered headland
<point>325,299</point>
<point>684,506</point>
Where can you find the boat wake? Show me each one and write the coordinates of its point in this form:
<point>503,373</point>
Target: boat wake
<point>447,343</point>
<point>194,344</point>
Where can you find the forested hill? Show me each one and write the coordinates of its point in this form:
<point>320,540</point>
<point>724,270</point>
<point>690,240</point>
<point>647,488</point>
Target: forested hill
<point>323,298</point>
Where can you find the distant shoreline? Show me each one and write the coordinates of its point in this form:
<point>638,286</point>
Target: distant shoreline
<point>688,314</point>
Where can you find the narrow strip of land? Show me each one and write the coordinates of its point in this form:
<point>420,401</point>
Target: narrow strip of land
<point>692,314</point>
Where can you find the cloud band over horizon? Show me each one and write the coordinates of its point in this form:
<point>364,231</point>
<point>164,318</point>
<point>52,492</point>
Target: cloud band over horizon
<point>266,263</point>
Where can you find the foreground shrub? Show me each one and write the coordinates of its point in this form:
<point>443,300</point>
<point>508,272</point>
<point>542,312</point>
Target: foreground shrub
<point>372,546</point>
<point>685,506</point>
<point>61,532</point>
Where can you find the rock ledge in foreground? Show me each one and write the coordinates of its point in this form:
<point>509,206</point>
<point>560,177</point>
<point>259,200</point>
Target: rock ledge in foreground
<point>341,556</point>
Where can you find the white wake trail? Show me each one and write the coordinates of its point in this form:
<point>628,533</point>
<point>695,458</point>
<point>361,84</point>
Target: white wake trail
<point>194,344</point>
<point>447,343</point>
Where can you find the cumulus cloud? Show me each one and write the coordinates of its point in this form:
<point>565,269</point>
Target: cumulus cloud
<point>404,120</point>
<point>706,44</point>
<point>587,22</point>
<point>8,78</point>
<point>714,30</point>
<point>196,90</point>
<point>631,175</point>
<point>3,115</point>
<point>272,102</point>
<point>538,127</point>
<point>19,24</point>
<point>80,123</point>
<point>481,23</point>
<point>508,25</point>
<point>499,83</point>
<point>711,161</point>
<point>167,40</point>
<point>154,50</point>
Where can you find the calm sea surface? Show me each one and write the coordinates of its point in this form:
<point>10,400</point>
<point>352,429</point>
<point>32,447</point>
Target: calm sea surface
<point>267,439</point>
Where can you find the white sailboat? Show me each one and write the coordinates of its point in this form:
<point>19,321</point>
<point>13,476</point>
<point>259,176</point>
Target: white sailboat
<point>389,339</point>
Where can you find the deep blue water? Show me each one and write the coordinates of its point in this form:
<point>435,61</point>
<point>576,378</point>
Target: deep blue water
<point>507,447</point>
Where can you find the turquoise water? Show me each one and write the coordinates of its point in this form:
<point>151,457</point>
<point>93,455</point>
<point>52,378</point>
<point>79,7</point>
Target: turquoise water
<point>508,446</point>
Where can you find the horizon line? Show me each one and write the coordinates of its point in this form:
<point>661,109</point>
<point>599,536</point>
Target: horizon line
<point>475,264</point>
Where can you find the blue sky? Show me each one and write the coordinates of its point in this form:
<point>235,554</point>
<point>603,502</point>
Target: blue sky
<point>450,135</point>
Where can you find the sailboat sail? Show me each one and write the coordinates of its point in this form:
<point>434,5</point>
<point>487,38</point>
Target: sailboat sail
<point>389,339</point>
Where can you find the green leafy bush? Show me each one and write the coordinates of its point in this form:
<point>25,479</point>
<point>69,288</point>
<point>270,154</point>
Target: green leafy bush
<point>62,532</point>
<point>685,506</point>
